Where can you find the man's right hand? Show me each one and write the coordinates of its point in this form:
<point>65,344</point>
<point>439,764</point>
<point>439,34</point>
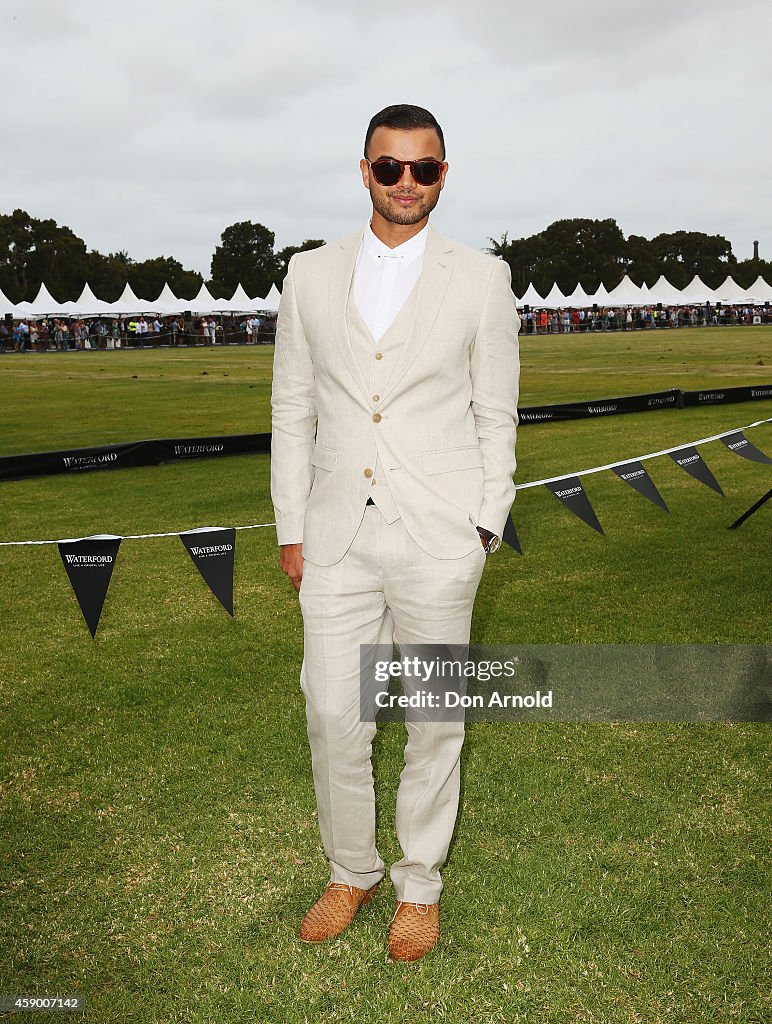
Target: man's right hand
<point>291,563</point>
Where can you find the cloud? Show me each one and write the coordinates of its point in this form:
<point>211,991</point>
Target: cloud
<point>151,127</point>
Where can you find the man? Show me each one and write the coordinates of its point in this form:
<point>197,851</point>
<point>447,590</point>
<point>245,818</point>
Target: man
<point>23,335</point>
<point>394,410</point>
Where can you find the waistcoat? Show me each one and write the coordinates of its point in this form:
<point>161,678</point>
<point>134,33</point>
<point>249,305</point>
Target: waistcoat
<point>377,360</point>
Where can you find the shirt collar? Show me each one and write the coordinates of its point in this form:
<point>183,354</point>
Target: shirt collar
<point>405,253</point>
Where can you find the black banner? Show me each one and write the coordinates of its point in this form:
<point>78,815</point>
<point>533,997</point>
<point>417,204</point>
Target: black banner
<point>509,536</point>
<point>574,497</point>
<point>740,445</point>
<point>135,453</point>
<point>634,473</point>
<point>716,396</point>
<point>154,452</point>
<point>601,407</point>
<point>207,447</point>
<point>694,464</point>
<point>212,551</point>
<point>89,564</point>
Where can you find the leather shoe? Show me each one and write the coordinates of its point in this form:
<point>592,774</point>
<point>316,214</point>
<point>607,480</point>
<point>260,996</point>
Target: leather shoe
<point>415,929</point>
<point>334,912</point>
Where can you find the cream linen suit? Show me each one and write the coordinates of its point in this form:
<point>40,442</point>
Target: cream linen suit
<point>427,417</point>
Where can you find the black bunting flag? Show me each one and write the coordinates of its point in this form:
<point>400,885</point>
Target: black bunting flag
<point>509,536</point>
<point>690,460</point>
<point>574,497</point>
<point>740,445</point>
<point>212,552</point>
<point>89,564</point>
<point>633,473</point>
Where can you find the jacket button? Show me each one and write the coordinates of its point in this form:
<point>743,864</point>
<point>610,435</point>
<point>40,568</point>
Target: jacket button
<point>368,473</point>
<point>376,398</point>
<point>377,417</point>
<point>379,355</point>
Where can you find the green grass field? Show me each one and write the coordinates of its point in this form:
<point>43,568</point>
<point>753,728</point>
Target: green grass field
<point>159,840</point>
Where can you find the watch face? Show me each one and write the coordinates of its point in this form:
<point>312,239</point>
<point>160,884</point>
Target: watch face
<point>493,545</point>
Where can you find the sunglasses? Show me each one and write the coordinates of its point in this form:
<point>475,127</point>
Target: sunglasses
<point>388,171</point>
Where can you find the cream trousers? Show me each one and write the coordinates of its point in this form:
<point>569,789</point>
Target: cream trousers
<point>385,589</point>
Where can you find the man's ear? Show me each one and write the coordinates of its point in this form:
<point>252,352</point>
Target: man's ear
<point>364,167</point>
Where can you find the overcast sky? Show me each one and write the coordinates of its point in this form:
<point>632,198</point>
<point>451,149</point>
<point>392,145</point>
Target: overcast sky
<point>152,126</point>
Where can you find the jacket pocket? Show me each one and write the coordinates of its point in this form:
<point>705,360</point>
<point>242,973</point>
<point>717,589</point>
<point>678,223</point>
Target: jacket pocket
<point>452,459</point>
<point>324,458</point>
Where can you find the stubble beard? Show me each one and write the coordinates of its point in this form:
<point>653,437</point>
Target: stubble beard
<point>409,215</point>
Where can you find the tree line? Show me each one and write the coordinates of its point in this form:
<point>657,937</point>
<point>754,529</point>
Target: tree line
<point>595,252</point>
<point>34,251</point>
<point>568,252</point>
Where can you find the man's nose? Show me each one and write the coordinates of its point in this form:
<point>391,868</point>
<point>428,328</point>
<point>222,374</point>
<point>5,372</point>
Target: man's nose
<point>407,169</point>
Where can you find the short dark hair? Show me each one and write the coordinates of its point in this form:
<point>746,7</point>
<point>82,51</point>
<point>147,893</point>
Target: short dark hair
<point>404,116</point>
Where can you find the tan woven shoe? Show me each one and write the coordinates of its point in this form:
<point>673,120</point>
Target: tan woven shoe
<point>415,929</point>
<point>334,912</point>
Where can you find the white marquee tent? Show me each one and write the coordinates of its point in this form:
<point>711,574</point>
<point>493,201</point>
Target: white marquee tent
<point>531,298</point>
<point>663,291</point>
<point>760,291</point>
<point>554,299</point>
<point>128,302</point>
<point>241,301</point>
<point>204,302</point>
<point>697,292</point>
<point>730,293</point>
<point>272,299</point>
<point>167,304</point>
<point>6,306</point>
<point>626,293</point>
<point>601,297</point>
<point>578,299</point>
<point>87,301</point>
<point>43,301</point>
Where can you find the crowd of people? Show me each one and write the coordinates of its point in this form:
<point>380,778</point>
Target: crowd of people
<point>630,318</point>
<point>63,334</point>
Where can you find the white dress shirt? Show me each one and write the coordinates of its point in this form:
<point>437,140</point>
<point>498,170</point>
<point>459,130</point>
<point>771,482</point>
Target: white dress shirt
<point>384,277</point>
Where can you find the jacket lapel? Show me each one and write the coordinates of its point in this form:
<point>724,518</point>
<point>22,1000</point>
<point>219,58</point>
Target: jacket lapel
<point>341,273</point>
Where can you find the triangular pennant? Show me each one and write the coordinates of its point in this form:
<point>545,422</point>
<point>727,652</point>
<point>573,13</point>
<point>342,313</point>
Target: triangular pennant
<point>574,497</point>
<point>89,564</point>
<point>212,552</point>
<point>740,445</point>
<point>509,536</point>
<point>634,473</point>
<point>690,460</point>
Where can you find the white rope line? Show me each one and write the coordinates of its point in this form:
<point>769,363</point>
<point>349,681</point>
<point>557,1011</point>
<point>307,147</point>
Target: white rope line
<point>520,487</point>
<point>640,458</point>
<point>132,536</point>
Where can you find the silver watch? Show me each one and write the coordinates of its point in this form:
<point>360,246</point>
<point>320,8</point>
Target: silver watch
<point>492,542</point>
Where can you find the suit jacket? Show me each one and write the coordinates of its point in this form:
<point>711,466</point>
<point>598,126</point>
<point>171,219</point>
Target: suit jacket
<point>444,425</point>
